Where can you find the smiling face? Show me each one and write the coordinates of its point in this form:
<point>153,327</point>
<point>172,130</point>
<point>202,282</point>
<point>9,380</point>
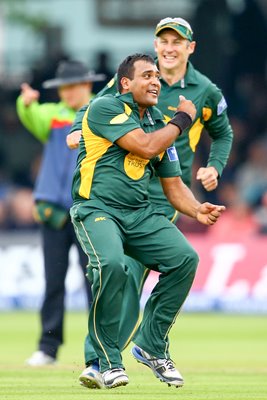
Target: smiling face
<point>173,50</point>
<point>144,85</point>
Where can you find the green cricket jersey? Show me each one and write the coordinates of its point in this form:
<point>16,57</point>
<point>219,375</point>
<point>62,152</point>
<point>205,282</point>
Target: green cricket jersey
<point>106,173</point>
<point>211,115</point>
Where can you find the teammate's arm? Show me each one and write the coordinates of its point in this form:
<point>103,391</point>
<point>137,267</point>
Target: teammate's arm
<point>149,146</point>
<point>183,200</point>
<point>34,116</point>
<point>220,131</point>
<point>208,177</point>
<point>73,139</point>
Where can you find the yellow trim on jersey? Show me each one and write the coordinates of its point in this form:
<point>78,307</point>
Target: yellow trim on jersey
<point>95,147</point>
<point>111,83</point>
<point>161,155</point>
<point>127,109</point>
<point>171,108</point>
<point>194,134</point>
<point>99,266</point>
<point>121,118</point>
<point>206,113</point>
<point>166,118</point>
<point>174,216</point>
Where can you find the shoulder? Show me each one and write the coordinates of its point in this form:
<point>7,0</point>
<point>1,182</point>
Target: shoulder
<point>212,92</point>
<point>106,105</point>
<point>113,82</point>
<point>108,100</point>
<point>200,78</point>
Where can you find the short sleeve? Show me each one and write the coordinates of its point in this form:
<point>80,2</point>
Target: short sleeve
<point>169,166</point>
<point>110,118</point>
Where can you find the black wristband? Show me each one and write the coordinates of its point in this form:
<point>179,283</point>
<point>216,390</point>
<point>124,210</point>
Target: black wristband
<point>182,120</point>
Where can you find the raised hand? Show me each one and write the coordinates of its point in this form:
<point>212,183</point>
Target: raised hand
<point>187,106</point>
<point>29,94</point>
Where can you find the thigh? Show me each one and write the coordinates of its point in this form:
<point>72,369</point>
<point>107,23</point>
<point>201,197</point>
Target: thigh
<point>100,238</point>
<point>158,244</point>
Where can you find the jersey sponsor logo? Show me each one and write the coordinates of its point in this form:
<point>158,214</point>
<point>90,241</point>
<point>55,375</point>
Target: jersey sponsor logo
<point>172,154</point>
<point>100,219</point>
<point>222,105</point>
<point>135,166</point>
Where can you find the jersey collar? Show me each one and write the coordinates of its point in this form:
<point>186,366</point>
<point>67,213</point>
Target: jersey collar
<point>189,79</point>
<point>152,114</point>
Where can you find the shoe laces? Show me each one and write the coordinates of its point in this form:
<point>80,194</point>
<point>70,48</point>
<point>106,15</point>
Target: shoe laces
<point>169,364</point>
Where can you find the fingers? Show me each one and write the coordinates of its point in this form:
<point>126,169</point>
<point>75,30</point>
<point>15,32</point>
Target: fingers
<point>210,185</point>
<point>72,144</point>
<point>187,106</point>
<point>24,86</point>
<point>214,215</point>
<point>73,140</point>
<point>208,213</point>
<point>208,177</point>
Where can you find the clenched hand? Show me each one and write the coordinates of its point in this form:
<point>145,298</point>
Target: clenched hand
<point>209,213</point>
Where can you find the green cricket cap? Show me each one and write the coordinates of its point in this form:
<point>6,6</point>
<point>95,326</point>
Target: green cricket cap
<point>179,25</point>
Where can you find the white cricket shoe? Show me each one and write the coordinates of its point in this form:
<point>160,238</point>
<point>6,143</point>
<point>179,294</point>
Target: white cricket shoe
<point>115,377</point>
<point>91,378</point>
<point>162,368</point>
<point>40,359</point>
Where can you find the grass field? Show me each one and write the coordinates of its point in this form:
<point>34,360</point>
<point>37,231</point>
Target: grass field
<point>220,357</point>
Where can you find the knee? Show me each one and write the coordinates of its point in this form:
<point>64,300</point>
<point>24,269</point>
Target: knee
<point>193,260</point>
<point>115,266</point>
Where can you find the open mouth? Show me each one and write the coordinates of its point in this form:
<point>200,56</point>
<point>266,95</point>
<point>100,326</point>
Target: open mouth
<point>169,58</point>
<point>155,92</point>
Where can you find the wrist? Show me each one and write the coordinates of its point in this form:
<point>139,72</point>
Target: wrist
<point>197,211</point>
<point>214,170</point>
<point>182,120</point>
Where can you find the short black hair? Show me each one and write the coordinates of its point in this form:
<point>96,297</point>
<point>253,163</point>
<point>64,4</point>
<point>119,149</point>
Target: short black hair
<point>126,68</point>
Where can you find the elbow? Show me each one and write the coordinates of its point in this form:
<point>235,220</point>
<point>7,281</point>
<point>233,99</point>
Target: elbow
<point>149,152</point>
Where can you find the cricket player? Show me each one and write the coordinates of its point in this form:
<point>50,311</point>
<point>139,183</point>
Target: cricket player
<point>124,142</point>
<point>173,44</point>
<point>50,124</point>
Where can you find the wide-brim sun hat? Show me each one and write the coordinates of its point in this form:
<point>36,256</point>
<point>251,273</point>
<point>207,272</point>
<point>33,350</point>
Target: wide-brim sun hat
<point>71,72</point>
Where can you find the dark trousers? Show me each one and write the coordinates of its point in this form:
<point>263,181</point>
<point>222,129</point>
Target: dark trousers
<point>56,247</point>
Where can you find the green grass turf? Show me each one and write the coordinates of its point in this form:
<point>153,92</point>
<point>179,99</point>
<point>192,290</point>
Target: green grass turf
<point>220,357</point>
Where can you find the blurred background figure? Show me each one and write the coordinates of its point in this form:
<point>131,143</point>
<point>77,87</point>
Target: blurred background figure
<point>231,50</point>
<point>50,123</point>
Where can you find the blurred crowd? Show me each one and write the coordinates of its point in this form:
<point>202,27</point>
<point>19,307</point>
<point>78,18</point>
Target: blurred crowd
<point>237,63</point>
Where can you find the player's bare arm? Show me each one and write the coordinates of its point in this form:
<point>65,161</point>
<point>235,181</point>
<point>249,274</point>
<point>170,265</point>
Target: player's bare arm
<point>149,146</point>
<point>181,197</point>
<point>208,177</point>
<point>73,139</point>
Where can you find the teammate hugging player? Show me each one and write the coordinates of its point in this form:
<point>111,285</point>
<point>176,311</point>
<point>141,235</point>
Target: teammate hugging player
<point>112,214</point>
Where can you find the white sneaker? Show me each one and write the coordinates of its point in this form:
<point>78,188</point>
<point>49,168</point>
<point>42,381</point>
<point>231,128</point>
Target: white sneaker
<point>91,378</point>
<point>39,359</point>
<point>115,377</point>
<point>162,368</point>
